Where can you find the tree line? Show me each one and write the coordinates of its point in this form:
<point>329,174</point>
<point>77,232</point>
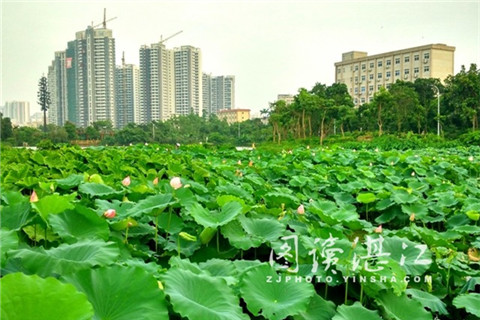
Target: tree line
<point>403,107</point>
<point>185,129</point>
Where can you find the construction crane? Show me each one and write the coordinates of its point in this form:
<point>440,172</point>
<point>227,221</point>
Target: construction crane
<point>173,35</point>
<point>104,23</point>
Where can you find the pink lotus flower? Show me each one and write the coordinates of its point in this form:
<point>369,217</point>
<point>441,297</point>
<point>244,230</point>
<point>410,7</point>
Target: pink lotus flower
<point>155,181</point>
<point>176,183</point>
<point>126,182</point>
<point>301,209</point>
<point>110,214</point>
<point>250,164</point>
<point>378,229</point>
<point>33,197</point>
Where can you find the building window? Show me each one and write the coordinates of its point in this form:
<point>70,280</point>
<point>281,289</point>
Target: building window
<point>380,64</point>
<point>379,75</point>
<point>389,62</point>
<point>389,85</point>
<point>356,67</point>
<point>356,79</point>
<point>416,57</point>
<point>362,90</point>
<point>371,65</point>
<point>356,90</point>
<point>426,55</point>
<point>370,76</point>
<point>379,86</point>
<point>370,88</point>
<point>406,72</point>
<point>407,59</point>
<point>363,66</point>
<point>389,74</point>
<point>338,70</point>
<point>426,69</point>
<point>363,100</point>
<point>397,60</point>
<point>416,70</point>
<point>363,78</point>
<point>397,73</point>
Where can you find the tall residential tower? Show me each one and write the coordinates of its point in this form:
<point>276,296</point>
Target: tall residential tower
<point>188,80</point>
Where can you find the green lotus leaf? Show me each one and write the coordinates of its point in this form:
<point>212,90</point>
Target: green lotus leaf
<point>73,180</point>
<point>121,293</point>
<point>265,229</point>
<point>81,223</point>
<point>366,197</point>
<point>31,297</point>
<point>67,258</point>
<point>16,216</point>
<point>428,300</point>
<point>355,312</point>
<point>98,190</point>
<point>271,299</point>
<point>200,297</point>
<point>415,258</point>
<point>215,219</point>
<point>401,196</point>
<point>150,205</point>
<point>238,238</point>
<point>401,307</point>
<point>53,204</point>
<point>318,309</point>
<point>469,301</point>
<point>9,241</point>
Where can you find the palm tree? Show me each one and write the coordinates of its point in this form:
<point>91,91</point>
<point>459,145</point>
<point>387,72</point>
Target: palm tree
<point>43,96</point>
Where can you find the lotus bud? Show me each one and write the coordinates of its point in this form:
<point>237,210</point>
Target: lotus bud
<point>354,150</point>
<point>371,164</point>
<point>313,154</point>
<point>412,217</point>
<point>413,173</point>
<point>110,214</point>
<point>290,151</point>
<point>146,143</point>
<point>160,285</point>
<point>250,164</point>
<point>301,209</point>
<point>126,182</point>
<point>391,163</point>
<point>155,181</point>
<point>470,158</point>
<point>239,162</point>
<point>376,149</point>
<point>33,197</point>
<point>176,183</point>
<point>378,229</point>
<point>253,145</point>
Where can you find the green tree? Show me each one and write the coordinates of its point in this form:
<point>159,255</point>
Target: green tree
<point>408,112</point>
<point>463,94</point>
<point>382,104</point>
<point>71,130</point>
<point>43,96</point>
<point>7,128</point>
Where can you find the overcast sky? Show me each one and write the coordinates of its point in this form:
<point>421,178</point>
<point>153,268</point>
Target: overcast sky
<point>270,47</point>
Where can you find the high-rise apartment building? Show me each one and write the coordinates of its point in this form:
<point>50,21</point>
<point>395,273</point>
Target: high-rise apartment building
<point>17,111</point>
<point>94,66</point>
<point>364,75</point>
<point>188,80</point>
<point>57,86</point>
<point>127,95</point>
<point>218,93</point>
<point>157,83</point>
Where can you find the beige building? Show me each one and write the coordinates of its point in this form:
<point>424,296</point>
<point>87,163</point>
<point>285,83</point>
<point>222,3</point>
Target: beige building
<point>364,75</point>
<point>288,98</point>
<point>234,115</point>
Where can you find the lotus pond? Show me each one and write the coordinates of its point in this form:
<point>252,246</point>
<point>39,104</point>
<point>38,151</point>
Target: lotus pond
<point>146,232</point>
